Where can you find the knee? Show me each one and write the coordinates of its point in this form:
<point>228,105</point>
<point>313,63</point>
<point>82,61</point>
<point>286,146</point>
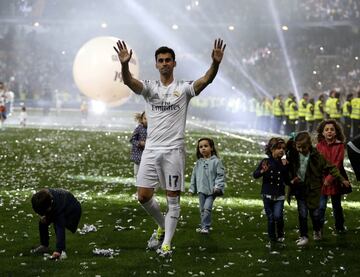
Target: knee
<point>278,215</point>
<point>269,213</point>
<point>270,218</point>
<point>143,198</point>
<point>144,195</point>
<point>316,213</point>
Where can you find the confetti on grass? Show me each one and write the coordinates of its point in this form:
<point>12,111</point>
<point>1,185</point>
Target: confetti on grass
<point>87,229</point>
<point>106,252</point>
<point>124,228</point>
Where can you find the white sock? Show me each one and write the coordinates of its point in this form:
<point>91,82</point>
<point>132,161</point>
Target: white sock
<point>152,207</point>
<point>171,218</point>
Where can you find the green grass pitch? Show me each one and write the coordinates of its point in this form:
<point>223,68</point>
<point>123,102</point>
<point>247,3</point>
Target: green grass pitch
<point>95,166</point>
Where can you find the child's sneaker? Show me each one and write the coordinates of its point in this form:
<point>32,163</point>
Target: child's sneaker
<point>164,251</point>
<point>204,231</point>
<point>63,255</point>
<point>280,239</point>
<point>340,231</point>
<point>302,241</point>
<point>156,239</point>
<point>41,249</point>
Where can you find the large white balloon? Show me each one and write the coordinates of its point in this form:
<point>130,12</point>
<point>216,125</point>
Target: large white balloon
<point>97,71</point>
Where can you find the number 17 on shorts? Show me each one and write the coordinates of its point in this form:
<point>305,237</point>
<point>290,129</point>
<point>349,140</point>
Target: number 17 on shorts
<point>173,181</point>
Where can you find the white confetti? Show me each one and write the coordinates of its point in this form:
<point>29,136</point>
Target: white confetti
<point>87,229</point>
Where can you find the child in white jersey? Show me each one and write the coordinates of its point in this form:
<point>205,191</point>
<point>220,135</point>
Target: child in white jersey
<point>207,180</point>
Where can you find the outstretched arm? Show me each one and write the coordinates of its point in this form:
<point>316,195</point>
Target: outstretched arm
<point>217,55</point>
<point>124,57</point>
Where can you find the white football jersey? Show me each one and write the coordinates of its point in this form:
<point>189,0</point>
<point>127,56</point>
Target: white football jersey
<point>166,108</point>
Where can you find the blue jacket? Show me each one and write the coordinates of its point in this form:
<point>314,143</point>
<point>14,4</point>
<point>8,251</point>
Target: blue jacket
<point>65,213</point>
<point>274,179</point>
<point>207,175</point>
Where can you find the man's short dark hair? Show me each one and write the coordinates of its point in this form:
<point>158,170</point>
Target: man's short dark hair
<point>41,201</point>
<point>164,50</point>
<point>349,96</point>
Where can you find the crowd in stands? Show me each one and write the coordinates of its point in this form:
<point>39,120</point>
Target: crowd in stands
<point>313,69</point>
<point>36,70</point>
<point>33,70</point>
<point>241,10</point>
<point>334,10</point>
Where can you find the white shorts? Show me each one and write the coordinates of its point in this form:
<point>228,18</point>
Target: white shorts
<point>162,167</point>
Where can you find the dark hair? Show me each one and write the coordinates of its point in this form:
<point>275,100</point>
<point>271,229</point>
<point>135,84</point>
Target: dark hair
<point>349,96</point>
<point>272,144</point>
<point>339,131</point>
<point>212,145</point>
<point>305,137</point>
<point>41,201</point>
<point>164,50</point>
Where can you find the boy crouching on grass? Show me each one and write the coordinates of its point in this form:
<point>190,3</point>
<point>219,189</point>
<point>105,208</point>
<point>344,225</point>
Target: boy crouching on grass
<point>60,207</point>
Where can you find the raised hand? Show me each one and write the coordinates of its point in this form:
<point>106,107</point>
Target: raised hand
<point>218,51</point>
<point>122,52</point>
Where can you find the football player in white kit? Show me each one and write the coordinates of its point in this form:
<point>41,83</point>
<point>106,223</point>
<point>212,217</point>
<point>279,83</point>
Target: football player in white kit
<point>163,160</point>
